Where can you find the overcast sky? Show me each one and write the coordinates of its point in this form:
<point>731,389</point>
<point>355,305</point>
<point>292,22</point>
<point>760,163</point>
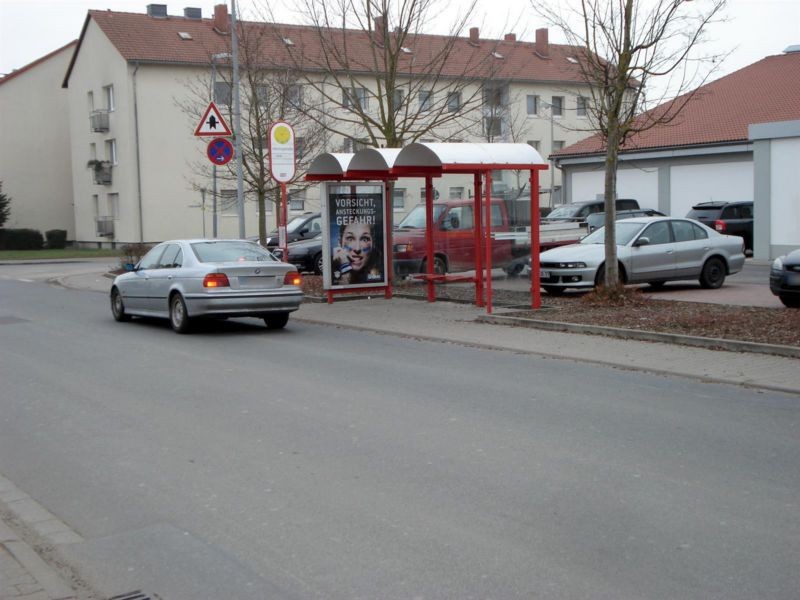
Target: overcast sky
<point>30,29</point>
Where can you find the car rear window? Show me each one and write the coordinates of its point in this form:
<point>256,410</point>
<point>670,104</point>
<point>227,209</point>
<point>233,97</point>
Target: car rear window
<point>704,213</point>
<point>230,251</point>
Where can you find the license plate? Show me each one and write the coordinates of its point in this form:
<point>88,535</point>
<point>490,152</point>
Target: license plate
<point>544,274</point>
<point>257,282</point>
<point>793,279</point>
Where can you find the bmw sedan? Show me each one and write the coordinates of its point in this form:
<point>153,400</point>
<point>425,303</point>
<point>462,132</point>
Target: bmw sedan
<point>650,250</point>
<point>784,279</point>
<point>182,280</point>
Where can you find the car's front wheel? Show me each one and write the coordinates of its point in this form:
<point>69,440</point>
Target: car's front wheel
<point>118,307</point>
<point>600,277</point>
<point>178,315</point>
<point>439,265</point>
<point>713,274</point>
<point>790,301</point>
<point>276,321</point>
<point>318,266</point>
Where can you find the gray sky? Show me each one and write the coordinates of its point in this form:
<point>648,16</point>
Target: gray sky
<point>29,29</point>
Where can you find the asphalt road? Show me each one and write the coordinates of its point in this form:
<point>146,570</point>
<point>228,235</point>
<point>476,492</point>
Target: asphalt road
<point>319,462</point>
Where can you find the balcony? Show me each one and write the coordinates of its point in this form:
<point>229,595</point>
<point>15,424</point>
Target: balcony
<point>98,121</point>
<point>104,226</point>
<point>101,171</point>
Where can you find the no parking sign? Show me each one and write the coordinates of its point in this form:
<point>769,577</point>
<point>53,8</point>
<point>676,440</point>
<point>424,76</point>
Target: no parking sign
<point>220,151</point>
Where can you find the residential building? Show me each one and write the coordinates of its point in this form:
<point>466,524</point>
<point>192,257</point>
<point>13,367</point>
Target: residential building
<point>137,84</point>
<point>738,138</point>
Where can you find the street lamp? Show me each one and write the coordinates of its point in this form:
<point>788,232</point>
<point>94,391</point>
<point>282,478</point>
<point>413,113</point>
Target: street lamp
<point>214,59</point>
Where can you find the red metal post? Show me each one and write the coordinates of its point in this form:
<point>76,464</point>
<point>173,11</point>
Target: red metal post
<point>488,239</point>
<point>429,235</point>
<point>388,237</point>
<point>536,288</point>
<point>476,219</point>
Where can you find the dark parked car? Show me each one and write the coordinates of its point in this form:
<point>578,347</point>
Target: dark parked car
<point>302,227</point>
<point>577,212</point>
<point>784,278</point>
<point>731,218</point>
<point>306,255</point>
<point>598,220</point>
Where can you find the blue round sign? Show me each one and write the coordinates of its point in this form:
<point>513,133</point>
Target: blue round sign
<point>220,151</point>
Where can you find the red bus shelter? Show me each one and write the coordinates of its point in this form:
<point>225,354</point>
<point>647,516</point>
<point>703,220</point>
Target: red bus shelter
<point>429,160</point>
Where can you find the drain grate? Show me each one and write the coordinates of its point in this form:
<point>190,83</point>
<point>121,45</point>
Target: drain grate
<point>137,595</point>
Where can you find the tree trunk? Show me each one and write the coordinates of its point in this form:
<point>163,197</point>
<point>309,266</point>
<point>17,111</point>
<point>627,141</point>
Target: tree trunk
<point>612,151</point>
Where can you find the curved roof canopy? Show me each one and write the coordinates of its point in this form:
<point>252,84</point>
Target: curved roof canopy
<point>329,165</point>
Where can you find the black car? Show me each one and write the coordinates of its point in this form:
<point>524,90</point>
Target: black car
<point>302,227</point>
<point>784,279</point>
<point>731,218</point>
<point>577,212</point>
<point>306,255</point>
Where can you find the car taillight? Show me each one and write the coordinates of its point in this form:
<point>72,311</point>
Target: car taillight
<point>719,225</point>
<point>292,278</point>
<point>215,280</point>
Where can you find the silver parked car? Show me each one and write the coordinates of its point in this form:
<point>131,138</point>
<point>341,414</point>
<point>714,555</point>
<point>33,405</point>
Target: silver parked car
<point>650,250</point>
<point>184,279</point>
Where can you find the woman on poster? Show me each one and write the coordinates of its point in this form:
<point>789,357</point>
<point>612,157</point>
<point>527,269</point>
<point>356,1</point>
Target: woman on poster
<point>358,258</point>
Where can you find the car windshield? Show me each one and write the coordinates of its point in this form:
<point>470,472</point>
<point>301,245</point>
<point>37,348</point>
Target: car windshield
<point>230,251</point>
<point>625,232</point>
<point>564,212</point>
<point>416,218</point>
<point>296,224</point>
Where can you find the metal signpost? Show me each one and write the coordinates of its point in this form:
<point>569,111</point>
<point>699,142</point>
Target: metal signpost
<point>219,151</point>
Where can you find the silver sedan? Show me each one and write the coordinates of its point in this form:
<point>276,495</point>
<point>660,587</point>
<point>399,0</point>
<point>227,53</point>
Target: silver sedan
<point>186,279</point>
<point>650,250</point>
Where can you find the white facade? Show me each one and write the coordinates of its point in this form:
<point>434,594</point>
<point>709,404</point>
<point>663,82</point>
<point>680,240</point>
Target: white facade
<point>35,154</point>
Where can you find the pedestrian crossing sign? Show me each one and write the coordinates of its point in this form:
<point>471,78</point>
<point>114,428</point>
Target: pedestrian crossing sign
<point>212,123</point>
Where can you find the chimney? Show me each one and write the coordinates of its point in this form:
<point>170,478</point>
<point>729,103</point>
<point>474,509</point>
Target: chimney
<point>193,13</point>
<point>542,47</point>
<point>380,30</point>
<point>474,36</point>
<point>222,22</point>
<point>510,37</point>
<point>157,10</point>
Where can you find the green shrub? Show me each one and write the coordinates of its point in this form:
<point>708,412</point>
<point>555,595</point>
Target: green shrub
<point>56,238</point>
<point>21,239</point>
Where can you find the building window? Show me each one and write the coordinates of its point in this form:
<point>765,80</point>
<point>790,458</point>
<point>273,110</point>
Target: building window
<point>93,151</point>
<point>297,200</point>
<point>354,145</point>
<point>223,92</point>
<point>295,95</point>
<point>533,104</point>
<point>398,96</point>
<point>558,145</point>
<point>422,194</point>
<point>355,98</point>
<point>582,104</point>
<point>557,106</point>
<point>113,205</point>
<point>90,100</point>
<point>262,95</point>
<point>453,102</point>
<point>492,127</point>
<point>108,92</point>
<point>111,151</point>
<point>398,198</point>
<point>425,100</point>
<point>493,96</point>
<point>96,205</point>
<point>536,144</point>
<point>228,203</point>
<point>299,147</point>
<point>456,193</point>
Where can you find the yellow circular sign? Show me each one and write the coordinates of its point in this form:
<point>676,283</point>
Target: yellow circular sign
<point>281,134</point>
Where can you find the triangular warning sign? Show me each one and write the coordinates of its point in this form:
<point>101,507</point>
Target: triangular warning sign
<point>212,123</point>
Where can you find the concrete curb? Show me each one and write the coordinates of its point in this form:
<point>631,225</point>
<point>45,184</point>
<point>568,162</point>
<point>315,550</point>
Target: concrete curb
<point>646,336</point>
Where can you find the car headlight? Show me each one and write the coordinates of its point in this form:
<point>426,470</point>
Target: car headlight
<point>572,265</point>
<point>777,264</point>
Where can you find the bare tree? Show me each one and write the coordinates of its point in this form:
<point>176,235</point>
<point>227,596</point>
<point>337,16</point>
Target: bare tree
<point>626,44</point>
<point>387,82</point>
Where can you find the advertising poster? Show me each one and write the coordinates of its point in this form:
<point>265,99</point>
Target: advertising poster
<point>356,253</point>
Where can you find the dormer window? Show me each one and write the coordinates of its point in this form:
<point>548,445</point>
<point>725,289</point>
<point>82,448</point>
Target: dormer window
<point>498,56</point>
<point>288,41</point>
<point>405,50</point>
<point>573,60</point>
<point>184,35</point>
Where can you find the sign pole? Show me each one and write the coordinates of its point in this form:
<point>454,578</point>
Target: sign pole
<point>282,236</point>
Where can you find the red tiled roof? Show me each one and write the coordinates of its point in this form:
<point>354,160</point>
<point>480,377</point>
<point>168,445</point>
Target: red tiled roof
<point>721,111</point>
<point>139,37</point>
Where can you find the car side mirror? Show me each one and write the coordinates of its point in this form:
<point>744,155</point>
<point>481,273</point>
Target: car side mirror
<point>642,241</point>
<point>303,231</point>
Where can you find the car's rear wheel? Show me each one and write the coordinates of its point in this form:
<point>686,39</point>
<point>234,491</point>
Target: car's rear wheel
<point>713,274</point>
<point>118,307</point>
<point>178,315</point>
<point>276,321</point>
<point>553,290</point>
<point>318,264</point>
<point>439,265</point>
<point>790,301</point>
